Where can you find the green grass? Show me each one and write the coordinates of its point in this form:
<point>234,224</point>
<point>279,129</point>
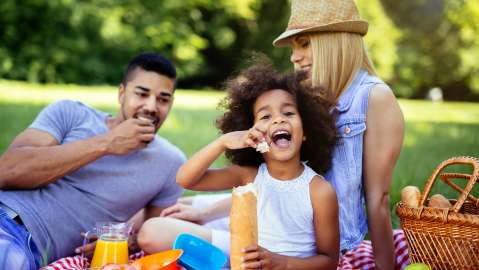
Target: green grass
<point>434,132</point>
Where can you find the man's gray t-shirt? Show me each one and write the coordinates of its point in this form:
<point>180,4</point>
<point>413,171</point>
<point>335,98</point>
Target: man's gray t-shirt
<point>112,188</point>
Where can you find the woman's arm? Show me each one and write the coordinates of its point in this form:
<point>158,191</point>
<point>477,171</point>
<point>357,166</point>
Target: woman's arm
<point>203,215</point>
<point>326,224</point>
<point>196,175</point>
<point>382,145</point>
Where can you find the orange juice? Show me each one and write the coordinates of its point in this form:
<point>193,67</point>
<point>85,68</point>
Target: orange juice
<point>110,250</point>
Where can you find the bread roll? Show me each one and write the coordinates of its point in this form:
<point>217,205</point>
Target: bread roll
<point>262,147</point>
<point>243,223</point>
<point>439,201</point>
<point>411,196</point>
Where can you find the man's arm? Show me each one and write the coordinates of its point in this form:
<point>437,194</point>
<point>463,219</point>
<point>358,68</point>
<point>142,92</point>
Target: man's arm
<point>35,158</point>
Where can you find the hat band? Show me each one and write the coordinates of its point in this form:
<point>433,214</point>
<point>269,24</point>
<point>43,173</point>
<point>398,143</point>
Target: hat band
<point>303,26</point>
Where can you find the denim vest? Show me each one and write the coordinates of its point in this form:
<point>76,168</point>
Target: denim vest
<point>346,172</point>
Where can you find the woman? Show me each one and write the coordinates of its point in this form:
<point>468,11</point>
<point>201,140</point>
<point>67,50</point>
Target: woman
<point>326,38</point>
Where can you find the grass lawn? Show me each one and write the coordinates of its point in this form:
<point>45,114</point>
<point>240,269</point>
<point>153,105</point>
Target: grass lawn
<point>434,132</point>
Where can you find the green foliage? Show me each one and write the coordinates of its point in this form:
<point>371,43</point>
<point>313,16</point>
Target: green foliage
<point>464,15</point>
<point>89,42</point>
<point>381,38</point>
<point>437,46</point>
<point>415,45</point>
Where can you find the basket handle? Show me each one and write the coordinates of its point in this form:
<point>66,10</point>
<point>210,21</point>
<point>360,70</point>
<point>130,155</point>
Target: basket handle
<point>445,178</point>
<point>464,193</point>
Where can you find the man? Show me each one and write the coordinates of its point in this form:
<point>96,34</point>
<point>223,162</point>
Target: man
<point>75,166</point>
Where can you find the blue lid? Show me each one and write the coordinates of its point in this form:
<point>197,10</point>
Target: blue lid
<point>199,254</point>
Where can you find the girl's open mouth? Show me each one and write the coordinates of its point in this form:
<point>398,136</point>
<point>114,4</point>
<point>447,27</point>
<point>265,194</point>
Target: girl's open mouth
<point>281,138</point>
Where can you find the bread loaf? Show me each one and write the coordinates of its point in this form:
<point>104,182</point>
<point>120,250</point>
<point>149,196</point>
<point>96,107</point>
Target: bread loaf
<point>439,201</point>
<point>411,196</point>
<point>243,223</point>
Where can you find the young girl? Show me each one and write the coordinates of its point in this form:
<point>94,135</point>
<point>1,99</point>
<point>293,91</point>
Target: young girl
<point>297,208</point>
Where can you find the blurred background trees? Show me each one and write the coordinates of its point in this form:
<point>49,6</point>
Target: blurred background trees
<point>415,44</point>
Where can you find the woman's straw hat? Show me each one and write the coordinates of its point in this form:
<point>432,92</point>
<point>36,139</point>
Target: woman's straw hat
<point>324,16</point>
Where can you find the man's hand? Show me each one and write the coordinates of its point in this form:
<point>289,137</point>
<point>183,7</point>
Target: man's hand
<point>184,212</point>
<point>88,249</point>
<point>257,257</point>
<point>130,135</point>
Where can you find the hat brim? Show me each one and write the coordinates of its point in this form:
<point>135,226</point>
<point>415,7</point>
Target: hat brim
<point>357,26</point>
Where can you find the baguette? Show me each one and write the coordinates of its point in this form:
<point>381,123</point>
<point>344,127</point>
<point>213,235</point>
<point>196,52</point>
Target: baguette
<point>243,223</point>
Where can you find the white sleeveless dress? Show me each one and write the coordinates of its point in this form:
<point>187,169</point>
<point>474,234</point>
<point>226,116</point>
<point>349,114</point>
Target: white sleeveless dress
<point>285,214</point>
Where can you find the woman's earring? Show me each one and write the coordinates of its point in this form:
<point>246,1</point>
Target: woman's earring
<point>304,138</point>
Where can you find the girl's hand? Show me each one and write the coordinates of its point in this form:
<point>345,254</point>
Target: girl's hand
<point>245,138</point>
<point>257,257</point>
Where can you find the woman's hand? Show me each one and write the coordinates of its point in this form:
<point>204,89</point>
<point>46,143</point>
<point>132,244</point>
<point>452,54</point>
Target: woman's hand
<point>184,212</point>
<point>257,257</point>
<point>245,138</point>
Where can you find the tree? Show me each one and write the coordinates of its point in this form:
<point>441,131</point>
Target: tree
<point>415,45</point>
<point>437,39</point>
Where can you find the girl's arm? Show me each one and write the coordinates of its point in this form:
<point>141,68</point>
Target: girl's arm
<point>326,224</point>
<point>196,175</point>
<point>382,145</point>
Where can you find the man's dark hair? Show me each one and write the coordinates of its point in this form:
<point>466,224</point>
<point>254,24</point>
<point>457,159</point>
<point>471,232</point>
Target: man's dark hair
<point>318,124</point>
<point>150,62</point>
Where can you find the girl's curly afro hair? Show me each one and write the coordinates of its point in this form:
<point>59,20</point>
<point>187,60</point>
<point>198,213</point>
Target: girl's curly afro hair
<point>318,124</point>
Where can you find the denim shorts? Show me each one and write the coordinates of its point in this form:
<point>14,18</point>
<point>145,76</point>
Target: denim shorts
<point>17,249</point>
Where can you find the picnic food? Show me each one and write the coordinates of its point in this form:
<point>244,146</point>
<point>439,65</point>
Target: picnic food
<point>439,201</point>
<point>262,147</point>
<point>411,196</point>
<point>243,222</point>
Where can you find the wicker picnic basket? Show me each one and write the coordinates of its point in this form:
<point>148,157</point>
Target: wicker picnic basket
<point>445,238</point>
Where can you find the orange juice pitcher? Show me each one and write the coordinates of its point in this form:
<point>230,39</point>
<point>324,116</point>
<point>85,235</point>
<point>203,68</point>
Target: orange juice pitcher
<point>112,244</point>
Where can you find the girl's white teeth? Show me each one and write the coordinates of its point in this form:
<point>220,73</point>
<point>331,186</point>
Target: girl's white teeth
<point>280,132</point>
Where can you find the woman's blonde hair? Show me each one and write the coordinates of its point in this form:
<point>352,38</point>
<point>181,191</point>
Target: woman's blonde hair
<point>337,57</point>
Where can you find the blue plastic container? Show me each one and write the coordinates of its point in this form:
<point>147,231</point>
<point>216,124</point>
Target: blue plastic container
<point>199,254</point>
